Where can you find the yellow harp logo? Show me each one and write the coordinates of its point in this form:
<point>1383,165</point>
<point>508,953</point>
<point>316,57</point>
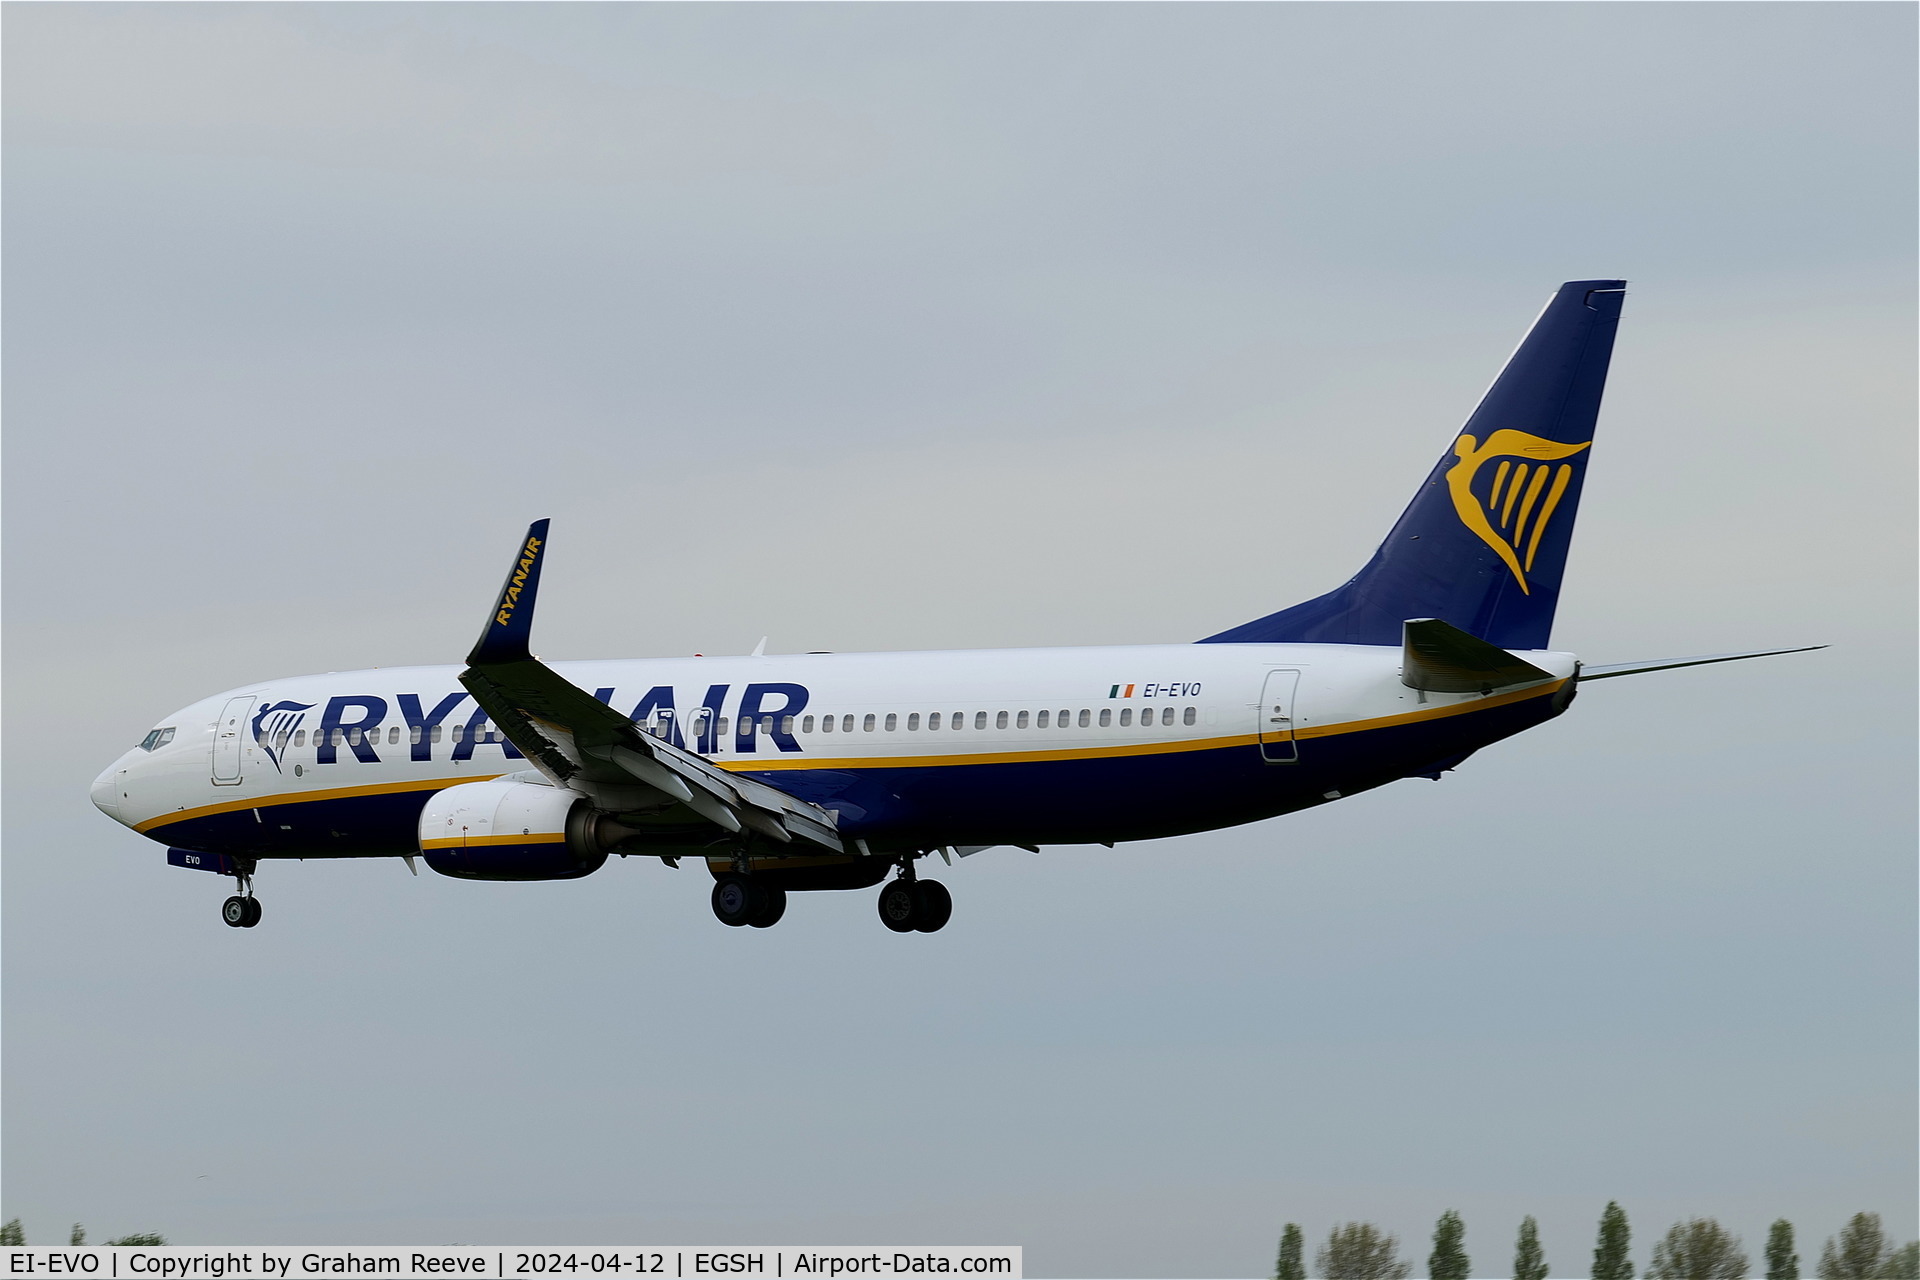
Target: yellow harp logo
<point>1525,489</point>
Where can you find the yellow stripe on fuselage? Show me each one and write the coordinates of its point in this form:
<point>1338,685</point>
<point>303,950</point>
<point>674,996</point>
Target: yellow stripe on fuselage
<point>739,764</point>
<point>306,797</point>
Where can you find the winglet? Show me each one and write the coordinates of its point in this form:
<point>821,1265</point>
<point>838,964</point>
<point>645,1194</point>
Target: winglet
<point>504,638</point>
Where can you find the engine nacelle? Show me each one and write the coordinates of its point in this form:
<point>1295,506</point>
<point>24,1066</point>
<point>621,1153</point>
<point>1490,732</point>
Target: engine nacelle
<point>510,830</point>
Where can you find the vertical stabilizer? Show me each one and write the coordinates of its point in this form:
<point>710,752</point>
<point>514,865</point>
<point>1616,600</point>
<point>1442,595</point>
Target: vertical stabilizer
<point>1484,542</point>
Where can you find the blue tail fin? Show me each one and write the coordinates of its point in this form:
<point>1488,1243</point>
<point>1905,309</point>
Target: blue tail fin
<point>1483,543</point>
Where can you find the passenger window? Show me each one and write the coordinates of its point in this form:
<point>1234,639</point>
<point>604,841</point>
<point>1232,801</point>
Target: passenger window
<point>846,724</point>
<point>1189,717</point>
<point>1106,716</point>
<point>867,724</point>
<point>413,735</point>
<point>893,721</point>
<point>299,737</point>
<point>933,721</point>
<point>959,719</point>
<point>806,724</point>
<point>435,735</point>
<point>1086,717</point>
<point>786,724</point>
<point>393,736</point>
<point>1040,721</point>
<point>1126,717</point>
<point>353,737</point>
<point>826,724</point>
<point>913,722</point>
<point>722,731</point>
<point>1020,721</point>
<point>1000,721</point>
<point>979,719</point>
<point>1166,717</point>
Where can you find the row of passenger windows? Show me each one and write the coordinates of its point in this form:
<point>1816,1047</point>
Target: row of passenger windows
<point>934,721</point>
<point>1065,718</point>
<point>354,737</point>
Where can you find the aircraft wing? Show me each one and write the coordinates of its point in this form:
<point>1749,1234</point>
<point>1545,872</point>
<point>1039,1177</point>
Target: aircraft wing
<point>578,741</point>
<point>1612,669</point>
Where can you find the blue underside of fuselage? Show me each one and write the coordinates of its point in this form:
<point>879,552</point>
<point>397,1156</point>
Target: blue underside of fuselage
<point>1070,801</point>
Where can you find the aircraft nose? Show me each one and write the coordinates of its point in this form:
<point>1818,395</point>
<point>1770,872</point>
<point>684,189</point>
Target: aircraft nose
<point>106,796</point>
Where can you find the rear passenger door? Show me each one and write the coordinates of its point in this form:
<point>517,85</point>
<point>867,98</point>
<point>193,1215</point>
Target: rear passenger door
<point>1276,718</point>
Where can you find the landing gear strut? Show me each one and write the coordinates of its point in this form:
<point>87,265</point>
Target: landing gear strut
<point>242,910</point>
<point>910,904</point>
<point>743,900</point>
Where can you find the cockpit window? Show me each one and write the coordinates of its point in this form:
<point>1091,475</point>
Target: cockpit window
<point>157,739</point>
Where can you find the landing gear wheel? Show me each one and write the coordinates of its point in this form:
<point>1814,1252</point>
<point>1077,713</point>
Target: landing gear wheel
<point>899,909</point>
<point>737,900</point>
<point>776,907</point>
<point>253,914</point>
<point>933,906</point>
<point>234,911</point>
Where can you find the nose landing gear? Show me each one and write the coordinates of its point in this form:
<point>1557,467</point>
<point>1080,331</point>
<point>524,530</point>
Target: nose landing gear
<point>242,910</point>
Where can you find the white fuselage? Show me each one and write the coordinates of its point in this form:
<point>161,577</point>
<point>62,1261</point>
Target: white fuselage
<point>1022,745</point>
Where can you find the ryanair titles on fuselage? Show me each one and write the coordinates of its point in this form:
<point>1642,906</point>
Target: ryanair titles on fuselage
<point>761,711</point>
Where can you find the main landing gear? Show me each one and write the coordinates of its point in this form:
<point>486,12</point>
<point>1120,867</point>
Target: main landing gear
<point>907,904</point>
<point>912,905</point>
<point>743,900</point>
<point>242,910</point>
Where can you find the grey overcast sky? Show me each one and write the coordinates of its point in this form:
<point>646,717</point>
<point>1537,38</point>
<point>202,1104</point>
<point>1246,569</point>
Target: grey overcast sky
<point>898,326</point>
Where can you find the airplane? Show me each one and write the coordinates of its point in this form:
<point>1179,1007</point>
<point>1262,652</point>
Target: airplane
<point>830,771</point>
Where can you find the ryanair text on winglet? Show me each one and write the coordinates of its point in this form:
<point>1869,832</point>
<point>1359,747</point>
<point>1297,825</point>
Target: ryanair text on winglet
<point>528,555</point>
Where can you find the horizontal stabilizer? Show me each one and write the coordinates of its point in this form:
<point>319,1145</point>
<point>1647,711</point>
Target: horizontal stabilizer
<point>1612,669</point>
<point>1444,659</point>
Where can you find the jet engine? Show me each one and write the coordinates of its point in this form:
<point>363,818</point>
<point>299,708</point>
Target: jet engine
<point>511,829</point>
